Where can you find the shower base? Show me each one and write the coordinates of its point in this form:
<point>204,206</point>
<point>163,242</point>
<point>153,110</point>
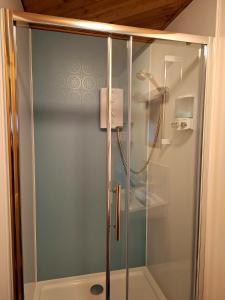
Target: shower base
<point>142,286</point>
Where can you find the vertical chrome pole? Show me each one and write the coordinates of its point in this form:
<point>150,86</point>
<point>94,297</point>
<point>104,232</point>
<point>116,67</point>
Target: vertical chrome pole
<point>109,165</point>
<point>9,64</point>
<point>129,63</point>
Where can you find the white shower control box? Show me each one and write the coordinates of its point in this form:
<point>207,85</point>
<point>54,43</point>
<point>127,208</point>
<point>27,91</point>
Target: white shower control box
<point>116,108</point>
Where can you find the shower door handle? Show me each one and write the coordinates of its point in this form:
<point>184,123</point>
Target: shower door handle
<point>117,192</point>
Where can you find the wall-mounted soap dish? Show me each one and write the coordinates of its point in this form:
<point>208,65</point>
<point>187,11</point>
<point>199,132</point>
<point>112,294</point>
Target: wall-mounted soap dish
<point>184,112</point>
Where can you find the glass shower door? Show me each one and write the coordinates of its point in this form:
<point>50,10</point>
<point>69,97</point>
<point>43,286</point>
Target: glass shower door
<point>69,213</point>
<point>63,198</point>
<point>167,106</point>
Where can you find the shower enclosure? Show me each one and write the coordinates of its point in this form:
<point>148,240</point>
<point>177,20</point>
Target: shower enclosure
<point>105,130</point>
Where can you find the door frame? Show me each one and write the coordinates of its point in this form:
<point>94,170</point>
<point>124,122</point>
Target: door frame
<point>8,20</point>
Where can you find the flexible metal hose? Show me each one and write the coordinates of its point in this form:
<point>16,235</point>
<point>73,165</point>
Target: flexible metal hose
<point>121,150</point>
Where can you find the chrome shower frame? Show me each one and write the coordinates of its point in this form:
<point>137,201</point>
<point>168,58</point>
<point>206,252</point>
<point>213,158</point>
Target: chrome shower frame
<point>11,19</point>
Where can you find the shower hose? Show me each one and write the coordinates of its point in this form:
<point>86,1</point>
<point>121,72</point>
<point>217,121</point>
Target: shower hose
<point>122,152</point>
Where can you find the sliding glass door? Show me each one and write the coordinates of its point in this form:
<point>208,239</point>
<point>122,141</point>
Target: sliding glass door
<point>166,137</point>
<point>73,183</point>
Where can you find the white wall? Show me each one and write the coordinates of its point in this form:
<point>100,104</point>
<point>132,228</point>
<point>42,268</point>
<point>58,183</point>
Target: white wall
<point>215,238</point>
<point>198,18</point>
<point>5,238</point>
<point>12,4</point>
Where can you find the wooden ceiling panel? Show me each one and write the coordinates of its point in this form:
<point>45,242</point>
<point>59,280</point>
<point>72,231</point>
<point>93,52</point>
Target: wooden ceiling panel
<point>155,14</point>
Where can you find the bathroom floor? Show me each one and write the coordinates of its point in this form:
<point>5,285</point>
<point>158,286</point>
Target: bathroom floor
<point>142,286</point>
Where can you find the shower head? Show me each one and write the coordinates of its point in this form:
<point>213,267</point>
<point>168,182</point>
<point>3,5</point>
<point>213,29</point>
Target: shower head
<point>142,75</point>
